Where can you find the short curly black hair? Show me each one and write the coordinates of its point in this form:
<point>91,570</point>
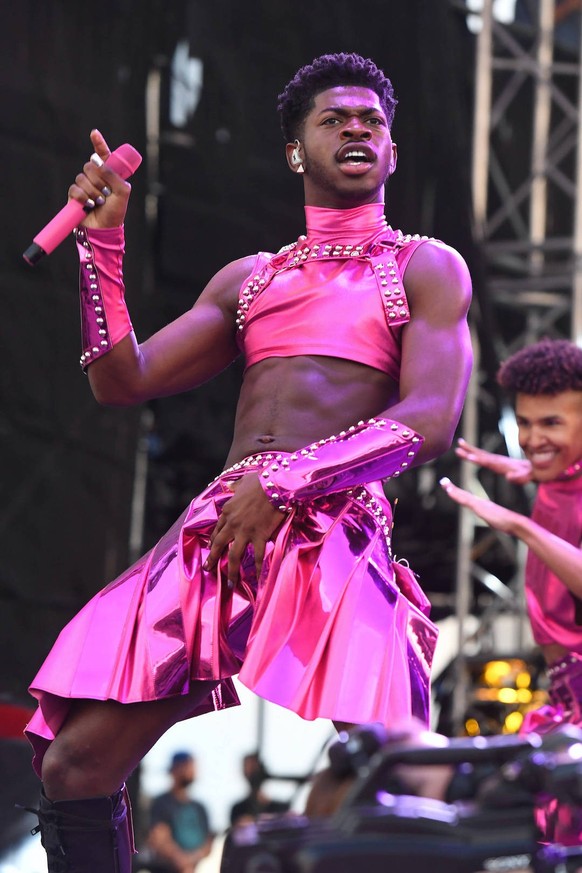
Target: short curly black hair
<point>328,71</point>
<point>547,367</point>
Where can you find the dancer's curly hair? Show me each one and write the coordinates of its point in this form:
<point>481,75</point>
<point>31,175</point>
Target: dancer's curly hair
<point>328,71</point>
<point>546,367</point>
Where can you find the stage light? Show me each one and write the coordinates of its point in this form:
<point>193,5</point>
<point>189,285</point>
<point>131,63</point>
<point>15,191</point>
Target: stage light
<point>504,690</point>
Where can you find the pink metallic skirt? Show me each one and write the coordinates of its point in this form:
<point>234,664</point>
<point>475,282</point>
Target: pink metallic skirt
<point>334,627</point>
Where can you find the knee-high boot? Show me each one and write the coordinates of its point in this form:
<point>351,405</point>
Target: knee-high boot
<point>87,836</point>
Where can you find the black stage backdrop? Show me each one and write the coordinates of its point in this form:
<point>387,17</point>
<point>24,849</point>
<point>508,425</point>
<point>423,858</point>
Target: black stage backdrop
<point>222,190</point>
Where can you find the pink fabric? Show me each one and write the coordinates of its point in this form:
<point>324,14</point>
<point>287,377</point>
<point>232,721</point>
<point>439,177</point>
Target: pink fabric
<point>310,293</point>
<point>104,317</point>
<point>556,617</point>
<point>559,822</point>
<point>332,629</point>
<point>555,613</point>
<point>378,448</point>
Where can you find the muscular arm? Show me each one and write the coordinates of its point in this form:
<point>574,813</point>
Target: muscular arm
<point>180,356</point>
<point>562,558</point>
<point>436,347</point>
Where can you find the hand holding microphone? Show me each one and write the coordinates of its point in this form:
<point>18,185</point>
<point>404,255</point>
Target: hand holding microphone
<point>92,182</point>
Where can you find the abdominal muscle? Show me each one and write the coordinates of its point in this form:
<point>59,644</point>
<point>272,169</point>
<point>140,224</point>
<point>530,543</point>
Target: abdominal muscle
<point>287,403</point>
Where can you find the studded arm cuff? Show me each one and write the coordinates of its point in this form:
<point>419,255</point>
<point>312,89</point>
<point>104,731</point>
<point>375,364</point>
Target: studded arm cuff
<point>104,316</point>
<point>371,450</point>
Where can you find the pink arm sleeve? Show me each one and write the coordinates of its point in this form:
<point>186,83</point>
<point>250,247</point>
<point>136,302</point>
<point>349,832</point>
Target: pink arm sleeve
<point>104,316</point>
<point>376,449</point>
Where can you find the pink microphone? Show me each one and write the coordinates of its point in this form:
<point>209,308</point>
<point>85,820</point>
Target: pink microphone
<point>124,161</point>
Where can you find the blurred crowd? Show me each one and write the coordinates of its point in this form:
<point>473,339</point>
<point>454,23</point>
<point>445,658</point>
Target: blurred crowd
<point>178,836</point>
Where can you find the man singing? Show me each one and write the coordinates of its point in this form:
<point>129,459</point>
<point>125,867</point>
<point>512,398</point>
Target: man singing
<point>357,358</point>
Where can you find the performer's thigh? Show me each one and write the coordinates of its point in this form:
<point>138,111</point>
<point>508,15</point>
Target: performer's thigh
<point>101,742</point>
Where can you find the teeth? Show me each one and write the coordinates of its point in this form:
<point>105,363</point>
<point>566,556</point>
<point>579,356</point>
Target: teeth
<point>354,155</point>
<point>542,456</point>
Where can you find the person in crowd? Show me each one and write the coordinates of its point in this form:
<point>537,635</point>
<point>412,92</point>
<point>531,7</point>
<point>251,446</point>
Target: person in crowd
<point>256,802</point>
<point>545,382</point>
<point>357,357</point>
<point>179,834</point>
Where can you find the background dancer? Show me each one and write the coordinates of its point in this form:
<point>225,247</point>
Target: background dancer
<point>545,381</point>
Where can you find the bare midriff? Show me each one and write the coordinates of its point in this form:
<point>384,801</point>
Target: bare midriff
<point>288,403</point>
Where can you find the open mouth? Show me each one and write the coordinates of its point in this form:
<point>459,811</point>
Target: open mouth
<point>542,458</point>
<point>356,155</point>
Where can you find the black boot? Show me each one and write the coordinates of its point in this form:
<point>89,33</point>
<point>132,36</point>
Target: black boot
<point>87,836</point>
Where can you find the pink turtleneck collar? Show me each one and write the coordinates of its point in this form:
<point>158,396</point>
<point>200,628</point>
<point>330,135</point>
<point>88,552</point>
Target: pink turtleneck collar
<point>345,225</point>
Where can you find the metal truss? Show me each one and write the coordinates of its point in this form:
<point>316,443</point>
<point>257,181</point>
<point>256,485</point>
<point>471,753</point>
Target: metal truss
<point>527,208</point>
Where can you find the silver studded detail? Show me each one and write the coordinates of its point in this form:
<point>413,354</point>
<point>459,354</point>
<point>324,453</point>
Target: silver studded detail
<point>96,339</point>
<point>380,254</point>
<point>376,510</point>
<point>95,310</point>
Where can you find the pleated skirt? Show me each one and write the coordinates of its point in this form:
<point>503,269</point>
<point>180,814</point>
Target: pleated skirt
<point>334,627</point>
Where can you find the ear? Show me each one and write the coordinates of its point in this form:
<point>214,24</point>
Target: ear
<point>394,160</point>
<point>294,155</point>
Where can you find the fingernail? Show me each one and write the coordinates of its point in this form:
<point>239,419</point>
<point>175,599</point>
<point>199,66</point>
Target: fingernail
<point>230,584</point>
<point>99,200</point>
<point>106,191</point>
<point>89,205</point>
<point>96,159</point>
<point>445,481</point>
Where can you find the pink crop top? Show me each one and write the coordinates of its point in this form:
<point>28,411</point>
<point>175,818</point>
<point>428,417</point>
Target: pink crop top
<point>555,613</point>
<point>337,291</point>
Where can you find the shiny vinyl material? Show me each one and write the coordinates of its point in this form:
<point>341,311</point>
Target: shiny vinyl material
<point>334,627</point>
<point>350,261</point>
<point>559,822</point>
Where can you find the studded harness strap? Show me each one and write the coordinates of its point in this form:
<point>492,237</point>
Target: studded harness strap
<point>381,255</point>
